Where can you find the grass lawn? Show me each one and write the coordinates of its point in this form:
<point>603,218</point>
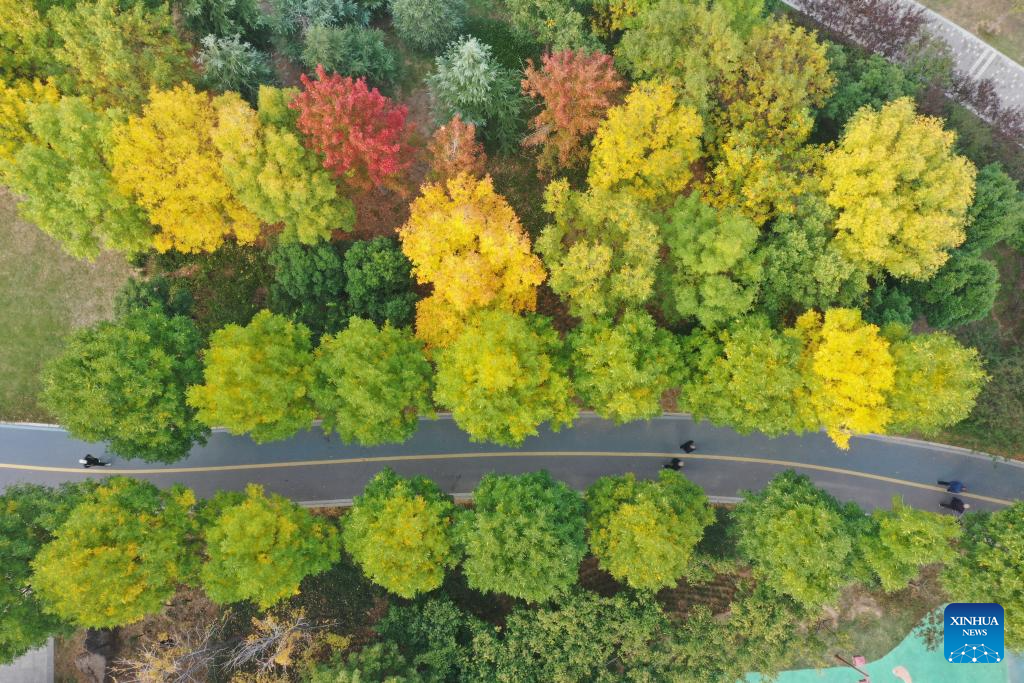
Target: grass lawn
<point>44,293</point>
<point>994,21</point>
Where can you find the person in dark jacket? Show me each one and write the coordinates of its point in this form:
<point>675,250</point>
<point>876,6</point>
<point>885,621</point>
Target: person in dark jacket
<point>673,464</point>
<point>953,486</point>
<point>956,505</point>
<point>91,461</point>
<point>688,446</point>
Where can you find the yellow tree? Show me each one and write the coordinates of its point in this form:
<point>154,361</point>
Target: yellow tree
<point>901,191</point>
<point>647,144</point>
<point>16,102</point>
<point>465,240</point>
<point>166,159</point>
<point>849,370</point>
<point>24,40</point>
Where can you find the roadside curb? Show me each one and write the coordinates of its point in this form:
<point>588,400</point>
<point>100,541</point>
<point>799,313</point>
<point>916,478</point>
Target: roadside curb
<point>467,497</point>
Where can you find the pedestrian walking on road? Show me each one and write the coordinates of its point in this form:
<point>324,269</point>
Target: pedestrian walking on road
<point>90,461</point>
<point>688,446</point>
<point>673,464</point>
<point>957,506</point>
<point>953,486</point>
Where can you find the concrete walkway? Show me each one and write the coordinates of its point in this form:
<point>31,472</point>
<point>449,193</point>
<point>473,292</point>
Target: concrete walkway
<point>35,666</point>
<point>972,56</point>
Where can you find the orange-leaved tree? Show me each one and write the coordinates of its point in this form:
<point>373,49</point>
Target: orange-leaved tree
<point>454,149</point>
<point>465,240</point>
<point>575,89</point>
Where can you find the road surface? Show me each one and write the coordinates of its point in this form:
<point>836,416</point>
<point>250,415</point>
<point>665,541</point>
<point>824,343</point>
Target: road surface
<point>311,467</point>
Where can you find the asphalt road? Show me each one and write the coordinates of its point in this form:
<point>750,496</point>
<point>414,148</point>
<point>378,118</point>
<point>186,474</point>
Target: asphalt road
<point>311,467</point>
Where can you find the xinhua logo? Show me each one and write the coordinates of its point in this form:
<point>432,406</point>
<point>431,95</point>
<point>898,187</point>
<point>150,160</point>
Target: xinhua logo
<point>972,633</point>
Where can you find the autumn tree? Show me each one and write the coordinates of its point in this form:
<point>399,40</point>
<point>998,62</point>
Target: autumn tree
<point>503,376</point>
<point>275,177</point>
<point>644,533</point>
<point>29,514</point>
<point>901,192</point>
<point>710,273</point>
<point>17,100</point>
<point>119,556</point>
<point>749,381</point>
<point>257,379</point>
<point>378,282</point>
<point>936,380</point>
<point>988,568</point>
<point>575,90</point>
<point>166,159</point>
<point>114,53</point>
<point>601,249</point>
<point>453,149</point>
<point>25,41</point>
<point>647,144</point>
<point>400,531</point>
<point>694,45</point>
<point>796,537</point>
<point>849,370</point>
<point>465,240</point>
<point>260,547</point>
<point>124,382</point>
<point>360,134</point>
<point>804,267</point>
<point>783,75</point>
<point>63,173</point>
<point>523,537</point>
<point>371,384</point>
<point>622,369</point>
<point>904,539</point>
<point>963,290</point>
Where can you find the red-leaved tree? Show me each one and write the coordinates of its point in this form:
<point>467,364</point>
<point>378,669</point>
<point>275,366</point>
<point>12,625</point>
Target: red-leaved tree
<point>360,134</point>
<point>454,149</point>
<point>575,89</point>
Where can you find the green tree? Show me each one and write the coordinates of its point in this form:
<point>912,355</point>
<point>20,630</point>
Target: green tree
<point>505,375</point>
<point>231,64</point>
<point>467,81</point>
<point>29,514</point>
<point>936,383</point>
<point>997,213</point>
<point>274,176</point>
<point>524,536</point>
<point>803,267</point>
<point>371,385</point>
<point>124,382</point>
<point>558,24</point>
<point>309,285</point>
<point>377,662</point>
<point>796,537</point>
<point>601,249</point>
<point>224,18</point>
<point>355,51</point>
<point>710,273</point>
<point>63,173</point>
<point>903,539</point>
<point>119,556</point>
<point>427,25</point>
<point>962,291</point>
<point>586,638</point>
<point>644,533</point>
<point>114,55</point>
<point>260,547</point>
<point>622,369</point>
<point>434,635</point>
<point>755,382</point>
<point>988,568</point>
<point>378,282</point>
<point>401,533</point>
<point>257,379</point>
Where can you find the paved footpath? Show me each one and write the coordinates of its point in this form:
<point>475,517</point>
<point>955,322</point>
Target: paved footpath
<point>311,467</point>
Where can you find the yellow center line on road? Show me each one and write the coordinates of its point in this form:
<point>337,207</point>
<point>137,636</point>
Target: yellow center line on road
<point>104,471</point>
